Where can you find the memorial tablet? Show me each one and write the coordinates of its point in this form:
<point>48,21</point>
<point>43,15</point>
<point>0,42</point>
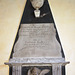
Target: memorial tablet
<point>37,40</point>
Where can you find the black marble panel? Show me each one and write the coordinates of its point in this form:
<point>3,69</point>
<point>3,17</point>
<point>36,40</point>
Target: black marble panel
<point>28,15</point>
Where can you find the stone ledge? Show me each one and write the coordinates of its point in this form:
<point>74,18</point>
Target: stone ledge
<point>36,61</point>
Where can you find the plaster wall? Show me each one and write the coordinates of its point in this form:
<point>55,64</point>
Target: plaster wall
<point>10,15</point>
<point>64,15</point>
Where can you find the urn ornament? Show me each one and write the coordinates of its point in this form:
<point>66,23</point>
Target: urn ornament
<point>37,4</point>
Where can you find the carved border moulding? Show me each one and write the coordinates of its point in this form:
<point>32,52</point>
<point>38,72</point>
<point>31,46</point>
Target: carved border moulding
<point>17,70</point>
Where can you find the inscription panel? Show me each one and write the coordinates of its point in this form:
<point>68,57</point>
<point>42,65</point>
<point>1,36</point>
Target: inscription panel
<point>37,40</point>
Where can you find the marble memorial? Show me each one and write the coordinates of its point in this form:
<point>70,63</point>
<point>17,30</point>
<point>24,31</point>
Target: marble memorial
<point>37,46</point>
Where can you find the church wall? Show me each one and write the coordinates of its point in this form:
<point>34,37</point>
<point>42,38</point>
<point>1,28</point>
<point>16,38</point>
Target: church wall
<point>64,16</point>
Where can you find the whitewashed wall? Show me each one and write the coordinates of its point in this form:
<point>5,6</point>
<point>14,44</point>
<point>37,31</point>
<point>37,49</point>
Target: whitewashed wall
<point>64,15</point>
<point>10,15</point>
